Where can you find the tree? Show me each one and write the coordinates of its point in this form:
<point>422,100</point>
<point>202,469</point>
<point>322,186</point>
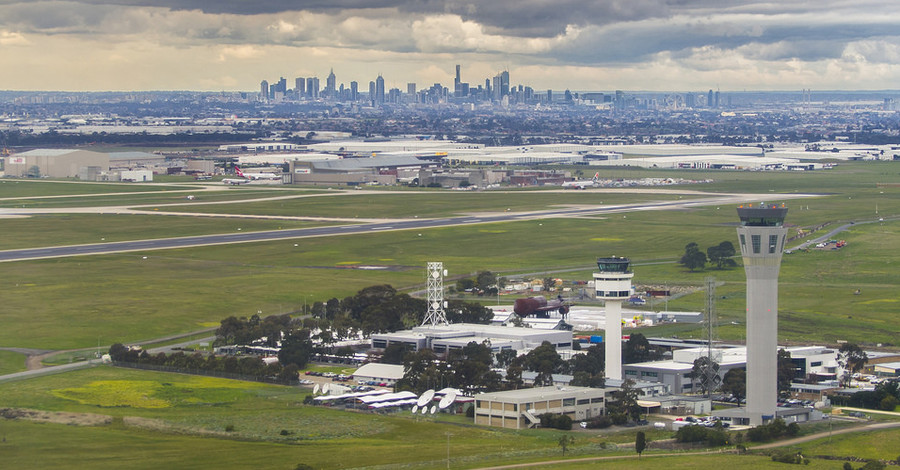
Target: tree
<point>786,370</point>
<point>545,361</point>
<point>735,383</point>
<point>565,441</point>
<point>296,349</point>
<point>705,373</point>
<point>640,443</point>
<point>637,349</point>
<point>33,172</point>
<point>852,359</point>
<point>721,254</point>
<point>693,258</point>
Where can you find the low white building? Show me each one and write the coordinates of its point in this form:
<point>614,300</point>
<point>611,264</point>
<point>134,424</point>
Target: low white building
<point>520,409</point>
<point>381,373</point>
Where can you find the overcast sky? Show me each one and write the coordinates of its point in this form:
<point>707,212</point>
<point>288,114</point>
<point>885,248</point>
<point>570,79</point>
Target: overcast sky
<point>665,45</point>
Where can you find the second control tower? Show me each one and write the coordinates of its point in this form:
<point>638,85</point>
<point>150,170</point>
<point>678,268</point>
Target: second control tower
<point>762,236</point>
<point>613,284</point>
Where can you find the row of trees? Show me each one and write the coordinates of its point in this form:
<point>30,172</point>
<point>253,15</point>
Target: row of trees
<point>719,255</point>
<point>248,367</point>
<point>381,309</point>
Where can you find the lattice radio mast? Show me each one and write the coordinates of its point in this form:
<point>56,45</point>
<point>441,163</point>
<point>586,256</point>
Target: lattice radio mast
<point>435,315</point>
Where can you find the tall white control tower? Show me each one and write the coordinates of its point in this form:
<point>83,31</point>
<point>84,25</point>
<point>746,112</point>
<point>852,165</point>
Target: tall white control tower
<point>762,236</point>
<point>613,285</point>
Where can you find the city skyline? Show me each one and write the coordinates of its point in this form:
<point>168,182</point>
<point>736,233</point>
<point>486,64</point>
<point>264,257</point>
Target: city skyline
<point>653,45</point>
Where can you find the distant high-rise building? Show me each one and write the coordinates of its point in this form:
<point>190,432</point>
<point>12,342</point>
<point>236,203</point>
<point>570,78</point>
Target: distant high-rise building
<point>394,95</point>
<point>549,96</point>
<point>280,87</point>
<point>620,100</point>
<point>300,86</point>
<point>264,89</point>
<point>372,92</point>
<point>379,90</point>
<point>504,83</point>
<point>690,100</point>
<point>709,99</point>
<point>457,88</point>
<point>330,85</point>
<point>354,91</point>
<point>312,87</point>
<point>410,88</point>
<point>716,100</point>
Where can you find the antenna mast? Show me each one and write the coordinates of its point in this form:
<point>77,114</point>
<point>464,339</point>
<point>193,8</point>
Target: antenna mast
<point>435,315</point>
<point>711,375</point>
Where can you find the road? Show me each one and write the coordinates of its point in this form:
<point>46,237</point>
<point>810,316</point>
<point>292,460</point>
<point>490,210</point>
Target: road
<point>352,229</point>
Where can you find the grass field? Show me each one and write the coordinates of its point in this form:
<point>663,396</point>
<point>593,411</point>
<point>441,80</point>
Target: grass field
<point>59,303</point>
<point>11,362</point>
<point>884,445</point>
<point>162,416</point>
<point>19,188</point>
<point>74,229</point>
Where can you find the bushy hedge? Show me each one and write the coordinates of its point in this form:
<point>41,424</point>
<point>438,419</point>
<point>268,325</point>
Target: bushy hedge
<point>551,420</point>
<point>713,437</point>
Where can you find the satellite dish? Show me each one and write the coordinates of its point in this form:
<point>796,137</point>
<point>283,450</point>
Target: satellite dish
<point>316,389</point>
<point>448,400</point>
<point>415,409</point>
<point>424,409</point>
<point>433,409</point>
<point>425,398</point>
<point>325,388</point>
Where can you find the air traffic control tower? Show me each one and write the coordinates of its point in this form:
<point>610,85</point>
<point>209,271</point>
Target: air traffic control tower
<point>762,236</point>
<point>613,285</point>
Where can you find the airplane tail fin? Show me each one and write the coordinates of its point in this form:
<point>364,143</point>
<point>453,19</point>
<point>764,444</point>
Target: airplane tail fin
<point>596,176</point>
<point>237,171</point>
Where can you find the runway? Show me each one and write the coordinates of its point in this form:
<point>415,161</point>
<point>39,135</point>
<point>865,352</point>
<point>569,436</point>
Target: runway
<point>357,228</point>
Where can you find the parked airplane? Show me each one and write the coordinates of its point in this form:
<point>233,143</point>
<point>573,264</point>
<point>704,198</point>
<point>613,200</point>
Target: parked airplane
<point>583,183</point>
<point>235,181</point>
<point>540,307</point>
<point>256,176</point>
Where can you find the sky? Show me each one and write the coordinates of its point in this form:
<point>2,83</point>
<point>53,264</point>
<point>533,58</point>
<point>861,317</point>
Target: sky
<point>582,45</point>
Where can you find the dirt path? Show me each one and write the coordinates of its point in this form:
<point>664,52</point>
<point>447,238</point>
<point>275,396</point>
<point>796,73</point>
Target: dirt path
<point>812,437</point>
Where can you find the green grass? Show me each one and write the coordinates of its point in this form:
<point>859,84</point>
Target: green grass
<point>179,290</point>
<point>11,362</point>
<point>688,462</point>
<point>884,445</point>
<point>74,229</point>
<point>20,188</point>
<point>168,414</point>
<point>174,197</point>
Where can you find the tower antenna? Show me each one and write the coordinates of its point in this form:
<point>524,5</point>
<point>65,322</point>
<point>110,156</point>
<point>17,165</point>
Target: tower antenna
<point>435,315</point>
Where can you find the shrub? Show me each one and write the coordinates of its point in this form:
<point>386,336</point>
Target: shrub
<point>787,457</point>
<point>229,428</point>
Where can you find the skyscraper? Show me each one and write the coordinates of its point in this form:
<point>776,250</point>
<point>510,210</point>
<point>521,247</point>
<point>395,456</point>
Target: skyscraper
<point>354,91</point>
<point>504,83</point>
<point>762,236</point>
<point>264,89</point>
<point>379,90</point>
<point>457,89</point>
<point>330,85</point>
<point>300,86</point>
